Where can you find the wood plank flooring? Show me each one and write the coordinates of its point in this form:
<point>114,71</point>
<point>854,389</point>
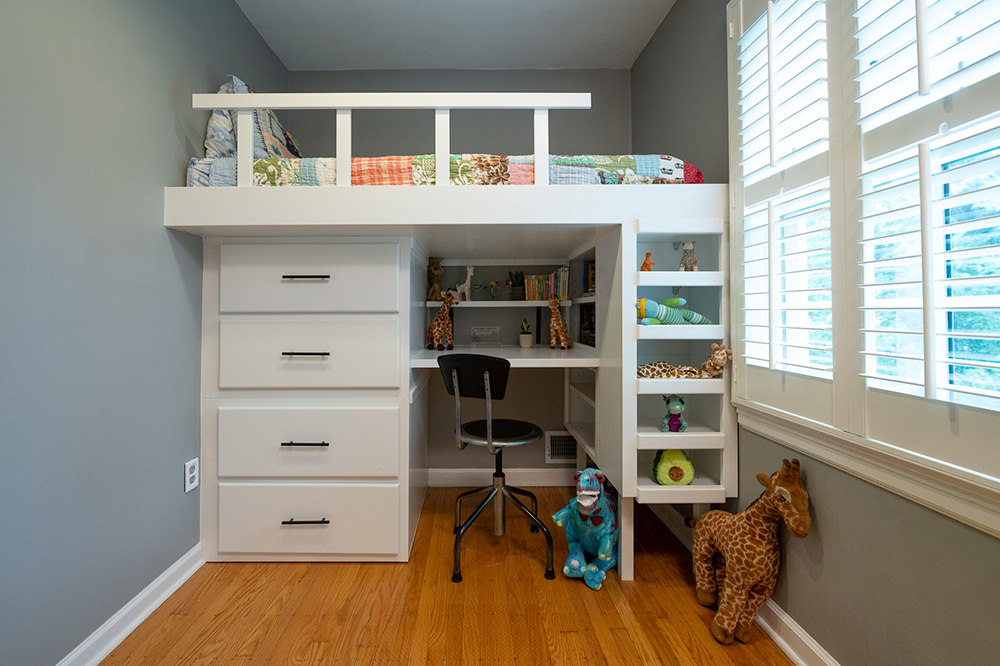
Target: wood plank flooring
<point>504,611</point>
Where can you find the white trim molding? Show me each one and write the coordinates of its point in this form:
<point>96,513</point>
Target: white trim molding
<point>109,635</point>
<point>965,495</point>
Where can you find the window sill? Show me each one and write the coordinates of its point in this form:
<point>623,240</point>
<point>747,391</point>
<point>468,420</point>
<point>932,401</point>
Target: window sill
<point>959,493</point>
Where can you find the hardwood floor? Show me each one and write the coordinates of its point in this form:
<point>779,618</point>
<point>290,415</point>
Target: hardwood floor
<point>504,611</point>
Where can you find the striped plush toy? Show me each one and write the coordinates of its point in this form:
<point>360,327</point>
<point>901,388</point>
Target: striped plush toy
<point>649,312</point>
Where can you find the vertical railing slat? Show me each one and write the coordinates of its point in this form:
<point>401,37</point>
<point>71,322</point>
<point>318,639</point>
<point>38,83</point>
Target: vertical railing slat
<point>541,146</point>
<point>344,147</point>
<point>442,146</point>
<point>244,148</point>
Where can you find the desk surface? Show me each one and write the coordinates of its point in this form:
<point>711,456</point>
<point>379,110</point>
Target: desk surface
<point>538,356</point>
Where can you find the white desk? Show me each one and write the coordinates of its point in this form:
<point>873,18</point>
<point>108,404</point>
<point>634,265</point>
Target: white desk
<point>538,356</point>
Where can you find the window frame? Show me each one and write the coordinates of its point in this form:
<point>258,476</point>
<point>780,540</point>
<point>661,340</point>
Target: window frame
<point>840,432</point>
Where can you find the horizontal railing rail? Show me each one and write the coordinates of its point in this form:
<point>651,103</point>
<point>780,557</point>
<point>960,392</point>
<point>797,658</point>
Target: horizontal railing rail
<point>345,103</point>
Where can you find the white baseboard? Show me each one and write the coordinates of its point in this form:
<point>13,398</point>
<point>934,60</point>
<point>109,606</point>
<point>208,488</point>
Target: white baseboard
<point>442,477</point>
<point>793,640</point>
<point>109,635</point>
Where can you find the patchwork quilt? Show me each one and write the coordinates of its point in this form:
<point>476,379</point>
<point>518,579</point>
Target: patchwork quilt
<point>465,169</point>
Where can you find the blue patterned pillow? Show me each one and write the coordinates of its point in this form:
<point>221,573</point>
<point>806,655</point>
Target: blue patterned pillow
<point>270,139</point>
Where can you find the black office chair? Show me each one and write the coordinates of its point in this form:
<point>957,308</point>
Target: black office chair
<point>485,377</point>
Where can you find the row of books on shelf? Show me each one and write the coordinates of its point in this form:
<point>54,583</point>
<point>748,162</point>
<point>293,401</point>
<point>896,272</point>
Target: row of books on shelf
<point>544,287</point>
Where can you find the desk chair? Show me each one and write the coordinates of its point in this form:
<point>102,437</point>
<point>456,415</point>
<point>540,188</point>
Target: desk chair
<point>485,377</point>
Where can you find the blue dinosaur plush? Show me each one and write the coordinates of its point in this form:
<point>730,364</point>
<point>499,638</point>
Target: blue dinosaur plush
<point>591,527</point>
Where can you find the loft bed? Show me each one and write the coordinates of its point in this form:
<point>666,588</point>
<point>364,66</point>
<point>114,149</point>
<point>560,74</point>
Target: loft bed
<point>502,224</point>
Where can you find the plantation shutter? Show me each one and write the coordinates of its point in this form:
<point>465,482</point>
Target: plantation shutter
<point>928,91</point>
<point>783,190</point>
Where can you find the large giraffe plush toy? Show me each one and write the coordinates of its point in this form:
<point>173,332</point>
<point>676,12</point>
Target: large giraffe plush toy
<point>736,557</point>
<point>557,327</point>
<point>440,326</point>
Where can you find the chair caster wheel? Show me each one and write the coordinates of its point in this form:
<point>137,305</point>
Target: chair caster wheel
<point>456,578</point>
<point>550,574</point>
<point>534,528</point>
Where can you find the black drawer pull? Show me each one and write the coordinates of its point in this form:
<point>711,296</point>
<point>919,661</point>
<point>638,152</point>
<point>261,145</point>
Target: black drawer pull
<point>305,353</point>
<point>305,443</point>
<point>292,521</point>
<point>305,277</point>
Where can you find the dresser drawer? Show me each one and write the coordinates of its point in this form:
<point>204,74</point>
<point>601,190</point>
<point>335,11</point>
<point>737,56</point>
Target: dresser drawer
<point>347,353</point>
<point>361,519</point>
<point>313,442</point>
<point>318,277</point>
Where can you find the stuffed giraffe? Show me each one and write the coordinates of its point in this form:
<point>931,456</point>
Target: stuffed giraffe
<point>557,327</point>
<point>465,289</point>
<point>736,557</point>
<point>710,368</point>
<point>441,324</point>
<point>434,273</point>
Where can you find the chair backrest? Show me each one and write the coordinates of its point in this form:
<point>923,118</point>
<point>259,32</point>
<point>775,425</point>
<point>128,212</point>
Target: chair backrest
<point>470,374</point>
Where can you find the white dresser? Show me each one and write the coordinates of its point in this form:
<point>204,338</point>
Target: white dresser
<point>305,400</point>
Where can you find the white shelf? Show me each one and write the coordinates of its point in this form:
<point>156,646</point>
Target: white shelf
<point>538,356</point>
<point>579,300</point>
<point>680,386</point>
<point>680,332</point>
<point>698,436</point>
<point>588,392</point>
<point>691,226</point>
<point>680,278</point>
<point>500,304</point>
<point>703,490</point>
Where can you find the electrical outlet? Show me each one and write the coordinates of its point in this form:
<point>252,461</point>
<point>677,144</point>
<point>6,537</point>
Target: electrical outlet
<point>191,475</point>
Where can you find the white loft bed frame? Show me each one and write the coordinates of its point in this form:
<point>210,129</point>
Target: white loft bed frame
<point>471,222</point>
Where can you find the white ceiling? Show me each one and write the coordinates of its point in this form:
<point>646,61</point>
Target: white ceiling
<point>456,34</point>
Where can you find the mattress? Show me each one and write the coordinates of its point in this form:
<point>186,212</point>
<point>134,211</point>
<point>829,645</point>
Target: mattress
<point>465,169</point>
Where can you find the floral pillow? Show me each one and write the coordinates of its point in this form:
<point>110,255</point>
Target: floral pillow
<point>270,138</point>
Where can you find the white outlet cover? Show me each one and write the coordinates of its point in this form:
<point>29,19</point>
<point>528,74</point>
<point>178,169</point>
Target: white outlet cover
<point>192,476</point>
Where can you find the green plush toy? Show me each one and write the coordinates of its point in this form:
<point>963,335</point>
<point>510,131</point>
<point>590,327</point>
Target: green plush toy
<point>649,312</point>
<point>672,468</point>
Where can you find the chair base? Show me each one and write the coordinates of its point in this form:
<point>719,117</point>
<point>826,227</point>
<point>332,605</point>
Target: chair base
<point>498,494</point>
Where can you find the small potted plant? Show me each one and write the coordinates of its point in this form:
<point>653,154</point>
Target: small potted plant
<point>525,336</point>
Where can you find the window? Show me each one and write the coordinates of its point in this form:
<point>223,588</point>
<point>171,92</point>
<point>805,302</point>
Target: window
<point>867,239</point>
<point>785,320</point>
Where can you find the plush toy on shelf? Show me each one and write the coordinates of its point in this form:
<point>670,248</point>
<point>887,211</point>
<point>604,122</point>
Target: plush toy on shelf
<point>674,420</point>
<point>440,326</point>
<point>591,527</point>
<point>465,289</point>
<point>689,262</point>
<point>672,468</point>
<point>736,557</point>
<point>710,368</point>
<point>558,333</point>
<point>434,273</point>
<point>650,313</point>
<point>647,264</point>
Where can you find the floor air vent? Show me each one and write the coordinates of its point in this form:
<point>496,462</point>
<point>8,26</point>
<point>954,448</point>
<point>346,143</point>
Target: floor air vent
<point>560,447</point>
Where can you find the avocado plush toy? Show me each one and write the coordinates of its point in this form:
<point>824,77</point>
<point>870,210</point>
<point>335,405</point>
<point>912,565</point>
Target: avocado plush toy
<point>672,468</point>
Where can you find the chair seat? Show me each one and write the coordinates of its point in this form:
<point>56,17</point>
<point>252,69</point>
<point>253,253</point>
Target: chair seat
<point>506,432</point>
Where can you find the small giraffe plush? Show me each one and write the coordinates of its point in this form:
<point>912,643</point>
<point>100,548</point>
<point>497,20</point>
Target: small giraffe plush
<point>441,324</point>
<point>736,557</point>
<point>557,327</point>
<point>465,289</point>
<point>689,262</point>
<point>434,273</point>
<point>710,368</point>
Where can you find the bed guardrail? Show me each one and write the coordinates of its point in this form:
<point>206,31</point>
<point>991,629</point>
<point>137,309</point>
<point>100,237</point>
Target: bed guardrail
<point>345,103</point>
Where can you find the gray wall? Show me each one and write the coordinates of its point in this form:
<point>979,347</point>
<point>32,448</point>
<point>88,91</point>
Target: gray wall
<point>100,305</point>
<point>604,128</point>
<point>679,89</point>
<point>881,580</point>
